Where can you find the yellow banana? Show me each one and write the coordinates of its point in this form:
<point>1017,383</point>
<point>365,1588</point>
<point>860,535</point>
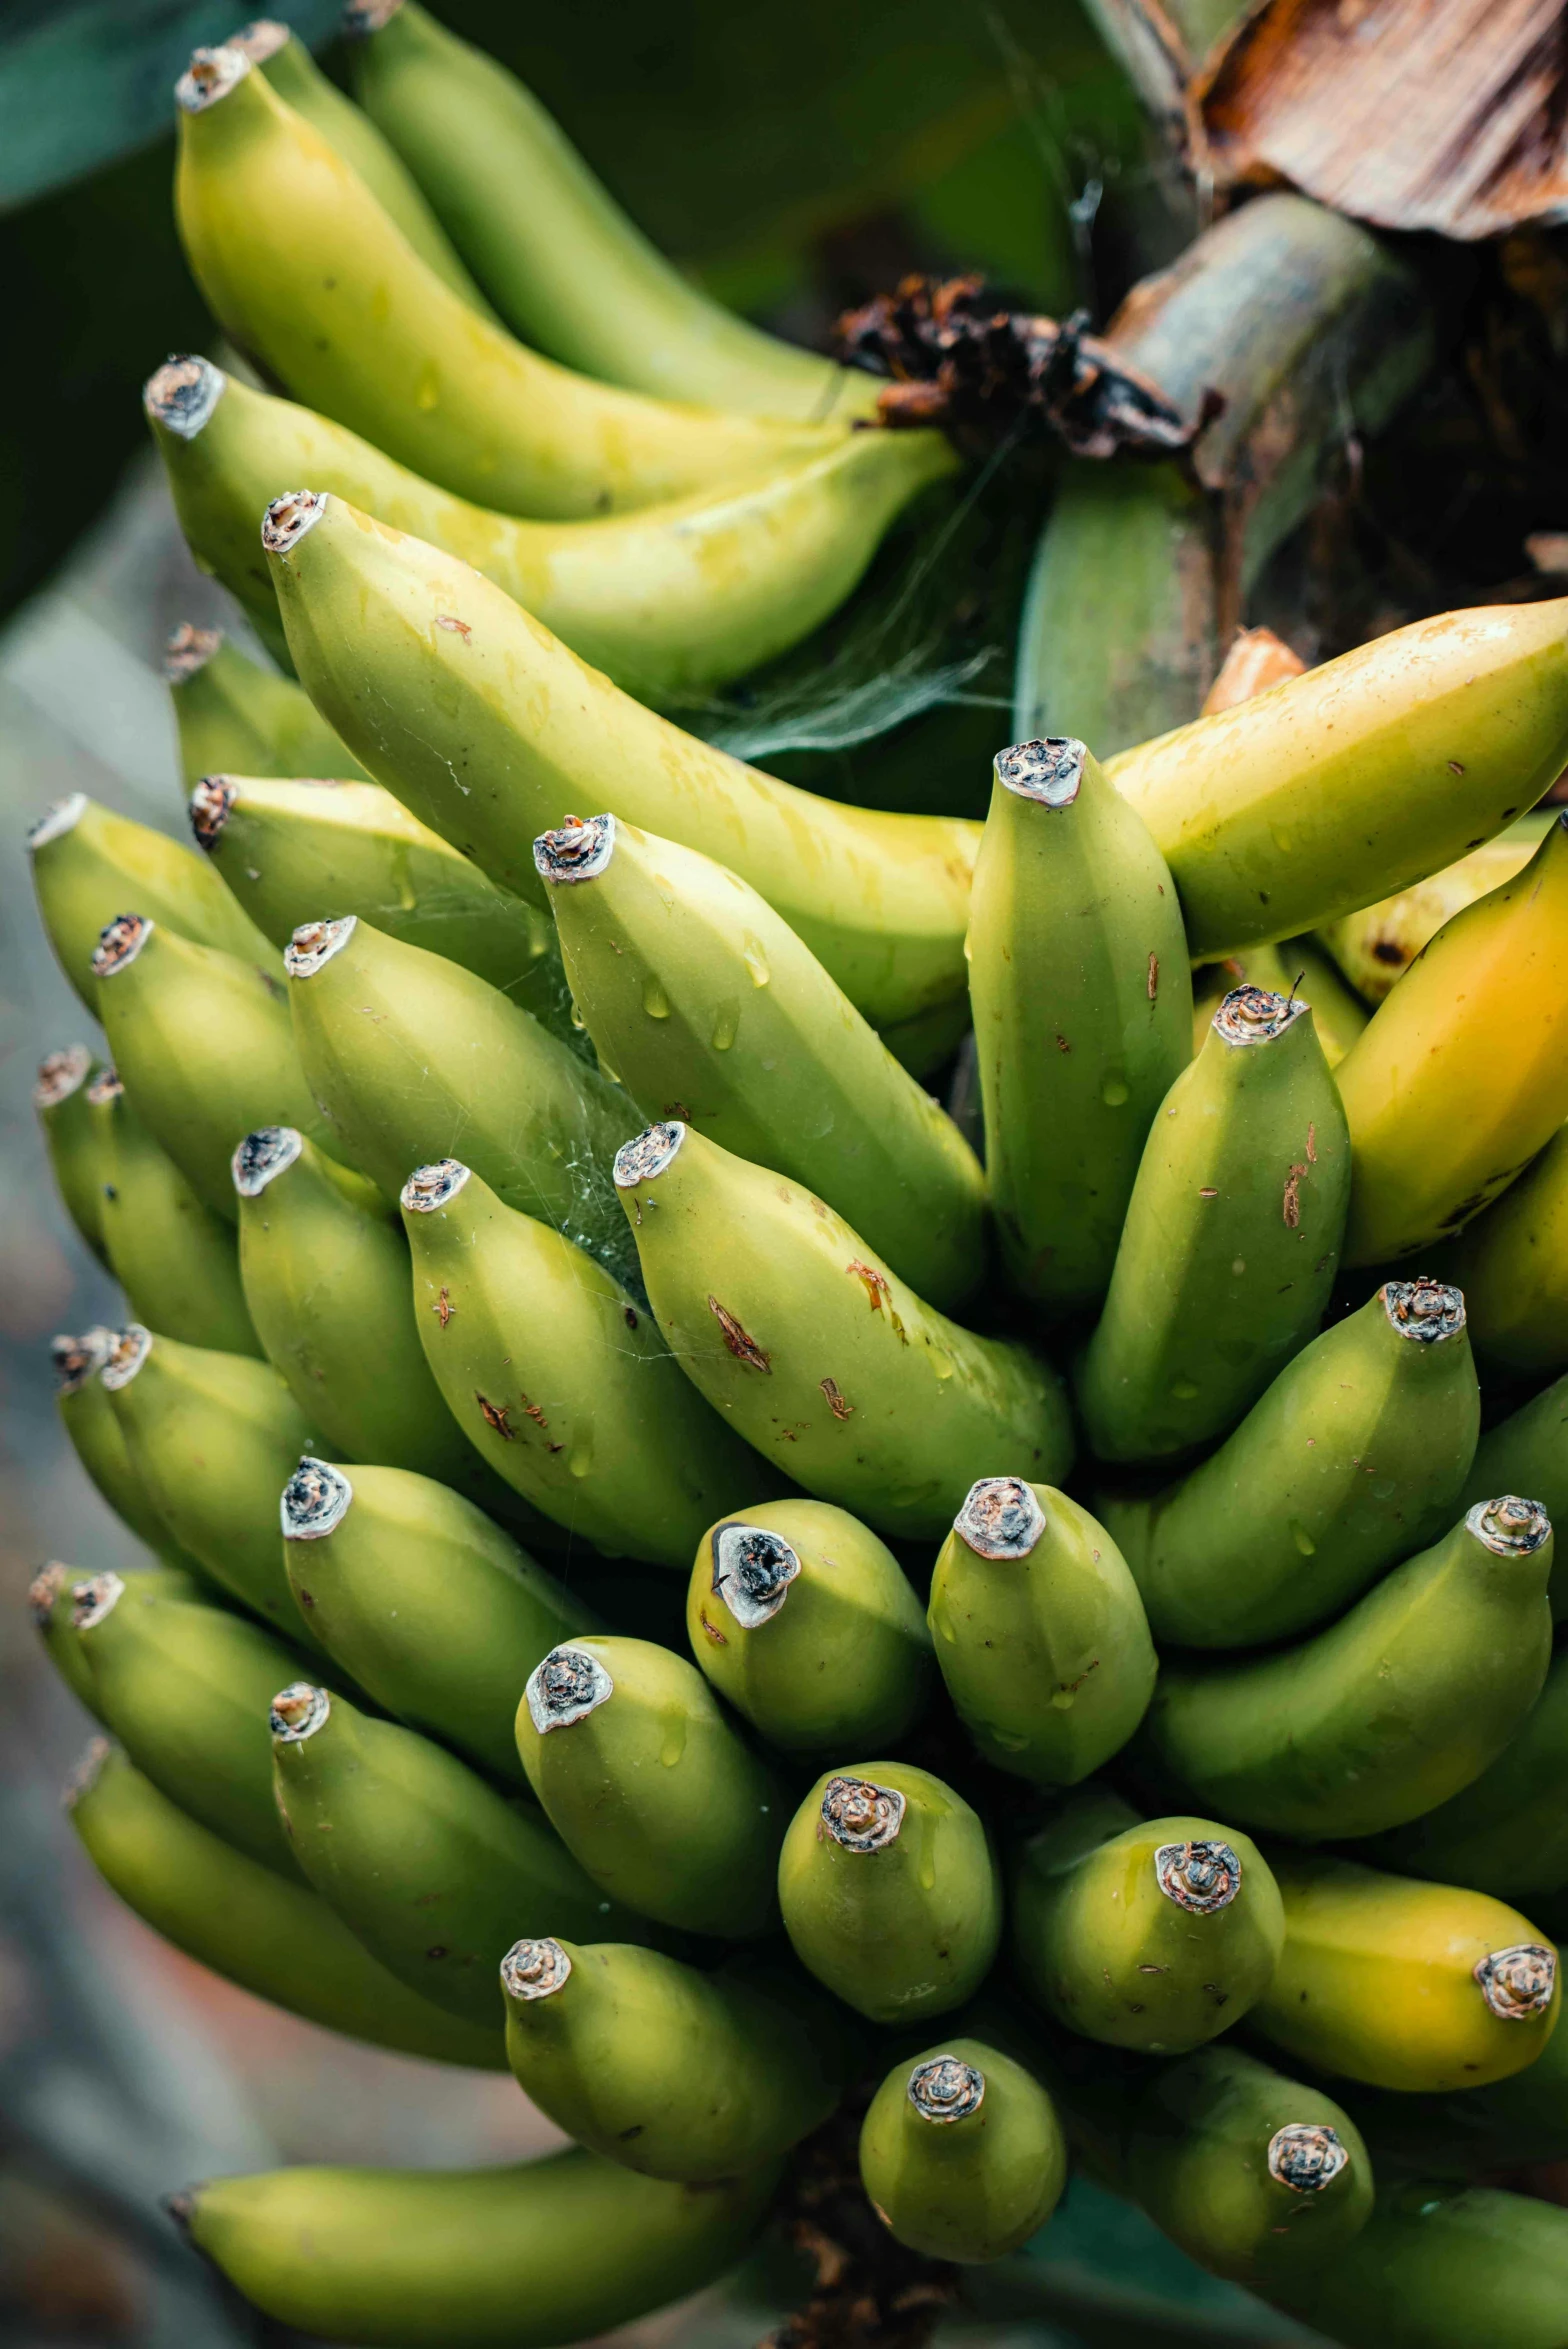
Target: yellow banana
<point>1512,1264</point>
<point>1377,945</point>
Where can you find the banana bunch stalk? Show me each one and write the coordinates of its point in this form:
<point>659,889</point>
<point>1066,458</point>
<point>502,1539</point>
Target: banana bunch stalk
<point>1115,1723</point>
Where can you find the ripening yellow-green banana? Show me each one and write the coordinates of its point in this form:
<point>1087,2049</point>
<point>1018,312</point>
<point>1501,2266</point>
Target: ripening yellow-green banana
<point>962,2155</point>
<point>671,601</point>
<point>491,731</point>
<point>269,1934</point>
<point>299,263</point>
<point>90,866</point>
<point>817,1353</point>
<point>1082,997</point>
<point>1377,945</point>
<point>1402,1984</point>
<point>235,718</point>
<point>88,1417</point>
<point>174,1258</point>
<point>431,1608</point>
<point>1462,1076</point>
<point>71,1137</point>
<point>571,273</point>
<point>1352,781</point>
<point>203,1043</point>
<point>708,1007</point>
<point>1512,1263</point>
<point>527,2257</point>
<point>1528,1453</point>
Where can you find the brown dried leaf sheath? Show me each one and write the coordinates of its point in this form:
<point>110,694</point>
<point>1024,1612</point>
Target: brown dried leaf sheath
<point>1413,114</point>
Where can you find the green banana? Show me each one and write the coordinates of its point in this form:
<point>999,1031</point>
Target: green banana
<point>330,1290</point>
<point>1385,1714</point>
<point>527,2257</point>
<point>641,1774</point>
<point>205,1047</point>
<point>1513,1265</point>
<point>890,1891</point>
<point>175,1260</point>
<point>300,265</point>
<point>51,1600</point>
<point>1405,1985</point>
<point>1155,1934</point>
<point>89,865</point>
<point>214,1438</point>
<point>89,1420</point>
<point>1480,1018</point>
<point>807,1625</point>
<point>678,2074</point>
<point>270,1935</point>
<point>560,1380</point>
<point>235,717</point>
<point>1528,1453</point>
<point>1039,1632</point>
<point>184,1688</point>
<point>708,1007</point>
<point>794,1329</point>
<point>423,1860</point>
<point>1354,1457</point>
<point>572,274</point>
<point>436,1613</point>
<point>1444,2267</point>
<point>1254,2175</point>
<point>672,601</point>
<point>1082,1000</point>
<point>492,732</point>
<point>1358,777</point>
<point>60,1100</point>
<point>409,1055</point>
<point>962,2155</point>
<point>290,847</point>
<point>300,83</point>
<point>1232,1236</point>
<point>1505,1833</point>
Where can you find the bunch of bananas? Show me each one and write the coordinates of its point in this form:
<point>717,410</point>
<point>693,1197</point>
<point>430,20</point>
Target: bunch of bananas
<point>515,1159</point>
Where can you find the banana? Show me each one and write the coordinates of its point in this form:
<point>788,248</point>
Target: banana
<point>51,1597</point>
<point>1376,946</point>
<point>301,266</point>
<point>564,1384</point>
<point>89,865</point>
<point>1462,1075</point>
<point>489,730</point>
<point>60,1100</point>
<point>709,1008</point>
<point>175,1260</point>
<point>679,2074</point>
<point>571,273</point>
<point>88,1417</point>
<point>184,1688</point>
<point>435,1612</point>
<point>1355,1456</point>
<point>1384,1715</point>
<point>795,1330</point>
<point>527,2257</point>
<point>1082,1000</point>
<point>289,847</point>
<point>641,1774</point>
<point>424,1861</point>
<point>1039,1632</point>
<point>1231,1241</point>
<point>213,1438</point>
<point>1528,1453</point>
<point>272,1936</point>
<point>890,1891</point>
<point>1513,1264</point>
<point>1254,2175</point>
<point>1511,2124</point>
<point>672,601</point>
<point>1405,1985</point>
<point>1443,2267</point>
<point>205,1047</point>
<point>233,716</point>
<point>962,2155</point>
<point>1359,777</point>
<point>806,1623</point>
<point>330,1290</point>
<point>409,1056</point>
<point>1154,1934</point>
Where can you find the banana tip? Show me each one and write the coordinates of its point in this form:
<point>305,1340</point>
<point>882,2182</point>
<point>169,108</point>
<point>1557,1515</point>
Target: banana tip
<point>128,1350</point>
<point>315,943</point>
<point>181,395</point>
<point>288,518</point>
<point>106,1086</point>
<point>578,851</point>
<point>262,1157</point>
<point>1424,1310</point>
<point>646,1156</point>
<point>120,942</point>
<point>315,1501</point>
<point>62,817</point>
<point>1048,770</point>
<point>946,2089</point>
<point>861,1816</point>
<point>434,1186</point>
<point>211,75</point>
<point>189,648</point>
<point>212,799</point>
<point>752,1572</point>
<point>75,1359</point>
<point>563,1690</point>
<point>60,1074</point>
<point>1510,1526</point>
<point>1001,1518</point>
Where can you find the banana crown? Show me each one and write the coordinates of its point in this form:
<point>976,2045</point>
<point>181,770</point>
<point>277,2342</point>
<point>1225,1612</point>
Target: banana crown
<point>578,851</point>
<point>262,1156</point>
<point>189,648</point>
<point>181,395</point>
<point>62,817</point>
<point>128,1350</point>
<point>860,1815</point>
<point>315,943</point>
<point>563,1690</point>
<point>315,1501</point>
<point>752,1572</point>
<point>534,1969</point>
<point>946,2089</point>
<point>1001,1518</point>
<point>1049,770</point>
<point>59,1074</point>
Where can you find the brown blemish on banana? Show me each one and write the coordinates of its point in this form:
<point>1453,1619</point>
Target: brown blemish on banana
<point>494,1416</point>
<point>836,1402</point>
<point>744,1348</point>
